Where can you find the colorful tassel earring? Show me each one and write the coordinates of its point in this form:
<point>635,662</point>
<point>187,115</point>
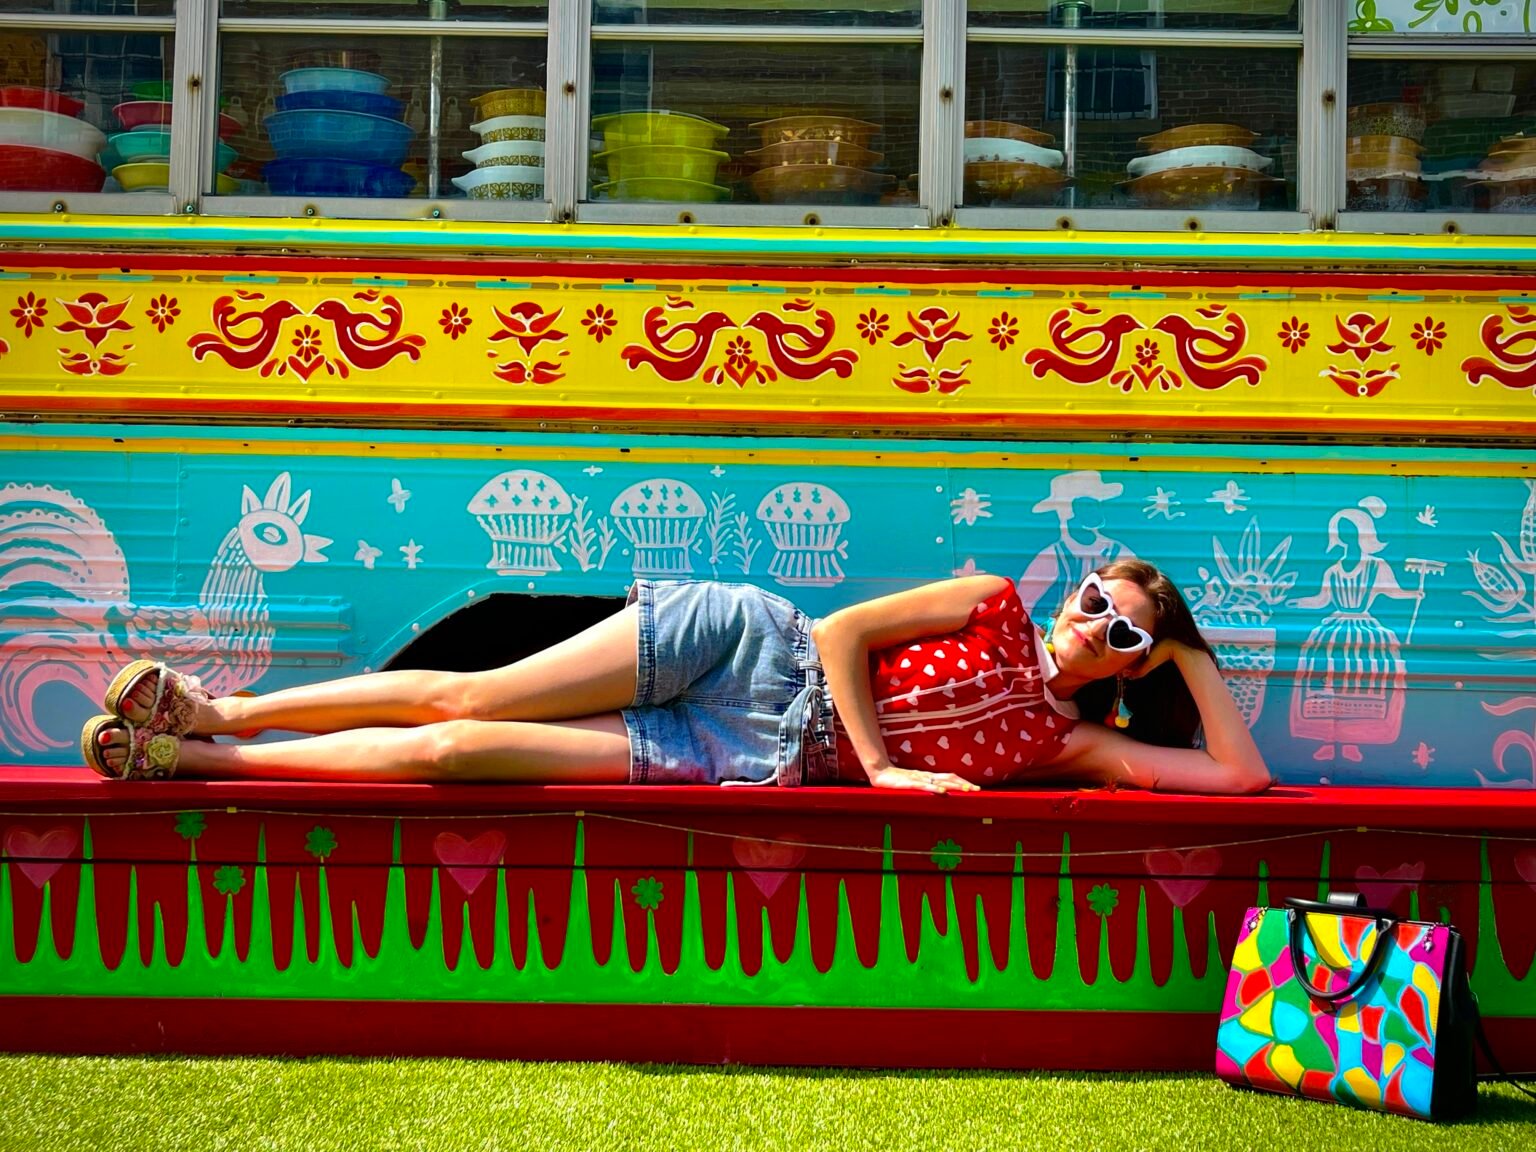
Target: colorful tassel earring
<point>1122,713</point>
<point>1050,630</point>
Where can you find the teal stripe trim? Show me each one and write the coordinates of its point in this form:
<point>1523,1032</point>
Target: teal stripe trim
<point>15,275</point>
<point>250,280</point>
<point>628,287</point>
<point>375,282</point>
<point>1395,298</point>
<point>882,292</point>
<point>493,285</point>
<point>1517,299</point>
<point>1008,247</point>
<point>1006,294</point>
<point>1138,296</point>
<point>751,288</point>
<point>124,277</point>
<point>1266,296</point>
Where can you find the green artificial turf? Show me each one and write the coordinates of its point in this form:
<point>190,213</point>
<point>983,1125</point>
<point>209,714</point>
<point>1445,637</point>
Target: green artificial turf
<point>61,1104</point>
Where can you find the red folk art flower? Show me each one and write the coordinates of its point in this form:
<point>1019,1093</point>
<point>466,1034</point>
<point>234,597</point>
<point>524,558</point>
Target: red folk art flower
<point>932,328</point>
<point>1294,334</point>
<point>599,322</point>
<point>455,321</point>
<point>873,325</point>
<point>1003,331</point>
<point>922,378</point>
<point>1428,336</point>
<point>162,312</point>
<point>95,317</point>
<point>307,341</point>
<point>1361,335</point>
<point>528,324</point>
<point>84,364</point>
<point>30,312</point>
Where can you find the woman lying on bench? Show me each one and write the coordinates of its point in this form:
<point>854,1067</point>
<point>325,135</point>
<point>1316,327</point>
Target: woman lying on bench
<point>949,686</point>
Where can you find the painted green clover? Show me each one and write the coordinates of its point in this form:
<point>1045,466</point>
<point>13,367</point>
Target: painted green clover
<point>1102,899</point>
<point>946,855</point>
<point>320,842</point>
<point>647,892</point>
<point>229,879</point>
<point>190,825</point>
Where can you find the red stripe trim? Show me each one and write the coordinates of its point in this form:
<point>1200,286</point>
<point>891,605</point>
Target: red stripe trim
<point>1415,282</point>
<point>682,1033</point>
<point>830,421</point>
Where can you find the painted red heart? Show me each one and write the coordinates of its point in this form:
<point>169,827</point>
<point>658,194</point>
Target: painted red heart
<point>469,862</point>
<point>39,857</point>
<point>768,862</point>
<point>1525,866</point>
<point>1183,875</point>
<point>1381,888</point>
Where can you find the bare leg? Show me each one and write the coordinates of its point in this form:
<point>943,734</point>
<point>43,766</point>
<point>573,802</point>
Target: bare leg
<point>592,750</point>
<point>590,673</point>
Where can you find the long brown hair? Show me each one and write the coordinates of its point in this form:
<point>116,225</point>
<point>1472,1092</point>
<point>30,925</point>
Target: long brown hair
<point>1161,707</point>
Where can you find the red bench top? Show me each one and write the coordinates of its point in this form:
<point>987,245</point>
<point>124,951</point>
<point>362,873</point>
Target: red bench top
<point>32,790</point>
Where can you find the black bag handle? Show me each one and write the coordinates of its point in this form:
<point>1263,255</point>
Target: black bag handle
<point>1298,910</point>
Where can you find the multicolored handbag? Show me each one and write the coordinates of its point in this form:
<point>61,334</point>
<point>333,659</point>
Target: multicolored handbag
<point>1340,1002</point>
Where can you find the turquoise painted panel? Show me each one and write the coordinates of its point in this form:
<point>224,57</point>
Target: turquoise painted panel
<point>1375,610</point>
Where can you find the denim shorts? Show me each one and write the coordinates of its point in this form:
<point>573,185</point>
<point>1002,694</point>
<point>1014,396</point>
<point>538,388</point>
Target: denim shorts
<point>728,689</point>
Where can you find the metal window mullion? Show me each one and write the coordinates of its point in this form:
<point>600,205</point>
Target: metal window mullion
<point>1134,38</point>
<point>1320,125</point>
<point>48,22</point>
<point>337,27</point>
<point>1476,48</point>
<point>753,34</point>
<point>941,104</point>
<point>565,124</point>
<point>194,90</point>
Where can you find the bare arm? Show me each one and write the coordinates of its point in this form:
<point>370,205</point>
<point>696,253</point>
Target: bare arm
<point>1229,764</point>
<point>845,640</point>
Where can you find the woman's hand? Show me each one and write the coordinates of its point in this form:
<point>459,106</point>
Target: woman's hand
<point>909,779</point>
<point>1159,654</point>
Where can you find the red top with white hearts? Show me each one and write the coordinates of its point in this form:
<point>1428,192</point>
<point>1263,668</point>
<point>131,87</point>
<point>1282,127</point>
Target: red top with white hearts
<point>973,702</point>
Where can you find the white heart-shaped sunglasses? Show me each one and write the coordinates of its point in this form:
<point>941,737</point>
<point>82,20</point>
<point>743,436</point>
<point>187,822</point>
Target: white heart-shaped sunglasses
<point>1122,634</point>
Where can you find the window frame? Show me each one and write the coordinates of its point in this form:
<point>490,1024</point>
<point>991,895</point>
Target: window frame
<point>1420,46</point>
<point>1322,41</point>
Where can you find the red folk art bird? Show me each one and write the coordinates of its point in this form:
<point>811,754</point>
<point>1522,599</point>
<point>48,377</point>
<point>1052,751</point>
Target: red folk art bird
<point>1207,354</point>
<point>678,351</point>
<point>1514,363</point>
<point>1084,355</point>
<point>236,342</point>
<point>353,340</point>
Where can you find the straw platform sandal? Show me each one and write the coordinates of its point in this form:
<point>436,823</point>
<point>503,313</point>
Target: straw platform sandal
<point>151,755</point>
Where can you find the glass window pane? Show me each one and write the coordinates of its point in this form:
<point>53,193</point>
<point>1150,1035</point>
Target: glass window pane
<point>828,124</point>
<point>1442,17</point>
<point>1441,136</point>
<point>66,97</point>
<point>836,13</point>
<point>325,118</point>
<point>523,11</point>
<point>1156,128</point>
<point>1207,15</point>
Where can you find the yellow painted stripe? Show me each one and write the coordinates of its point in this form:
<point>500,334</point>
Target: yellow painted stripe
<point>867,457</point>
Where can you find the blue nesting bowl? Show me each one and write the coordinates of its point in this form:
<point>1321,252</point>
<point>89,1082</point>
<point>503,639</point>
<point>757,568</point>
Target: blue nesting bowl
<point>327,177</point>
<point>322,134</point>
<point>368,103</point>
<point>333,79</point>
